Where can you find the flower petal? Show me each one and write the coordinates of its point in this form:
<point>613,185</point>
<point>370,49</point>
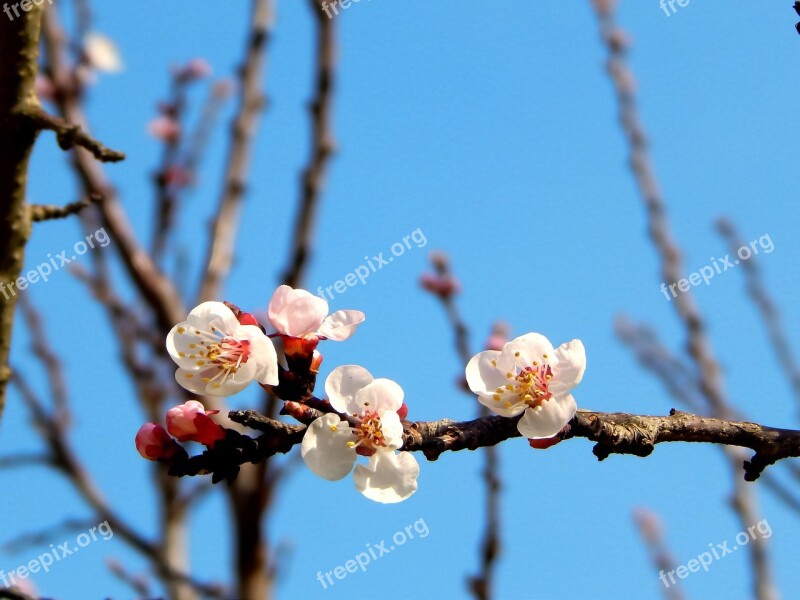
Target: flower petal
<point>484,377</point>
<point>380,394</point>
<point>392,429</point>
<point>342,385</point>
<point>296,313</point>
<point>388,477</point>
<point>325,450</point>
<point>341,325</point>
<point>568,372</point>
<point>262,351</point>
<point>499,406</point>
<point>547,420</point>
<point>213,314</point>
<point>531,347</point>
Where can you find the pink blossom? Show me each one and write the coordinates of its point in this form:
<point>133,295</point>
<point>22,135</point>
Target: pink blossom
<point>154,443</point>
<point>191,422</point>
<point>164,128</point>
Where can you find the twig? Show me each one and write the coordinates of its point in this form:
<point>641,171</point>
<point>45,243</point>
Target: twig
<point>322,144</point>
<point>49,212</point>
<point>699,346</point>
<point>481,584</point>
<point>70,135</point>
<point>766,307</point>
<point>650,529</point>
<point>243,129</point>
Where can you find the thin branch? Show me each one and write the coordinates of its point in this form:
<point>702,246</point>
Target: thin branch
<point>70,135</point>
<point>766,307</point>
<point>157,290</point>
<point>322,144</point>
<point>480,584</point>
<point>699,345</point>
<point>49,212</point>
<point>243,130</point>
<point>651,530</point>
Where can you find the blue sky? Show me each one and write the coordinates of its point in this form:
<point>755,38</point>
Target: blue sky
<point>493,129</point>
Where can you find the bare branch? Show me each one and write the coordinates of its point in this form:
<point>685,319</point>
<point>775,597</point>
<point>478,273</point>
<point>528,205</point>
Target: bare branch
<point>70,135</point>
<point>699,345</point>
<point>322,144</point>
<point>651,530</point>
<point>49,212</point>
<point>766,307</point>
<point>243,130</point>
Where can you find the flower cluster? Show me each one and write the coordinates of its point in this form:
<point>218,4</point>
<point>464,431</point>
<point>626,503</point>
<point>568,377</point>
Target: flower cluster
<point>220,349</point>
<point>189,422</point>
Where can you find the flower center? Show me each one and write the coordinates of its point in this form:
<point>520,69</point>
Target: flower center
<point>229,354</point>
<point>369,434</point>
<point>529,385</point>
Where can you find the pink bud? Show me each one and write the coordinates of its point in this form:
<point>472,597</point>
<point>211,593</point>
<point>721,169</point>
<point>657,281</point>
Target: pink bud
<point>190,422</point>
<point>177,176</point>
<point>402,412</point>
<point>195,69</point>
<point>443,286</point>
<point>498,337</point>
<point>164,128</point>
<point>154,443</point>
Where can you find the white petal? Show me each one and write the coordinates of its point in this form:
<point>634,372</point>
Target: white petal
<point>547,420</point>
<point>388,477</point>
<point>243,377</point>
<point>343,384</point>
<point>341,325</point>
<point>179,340</point>
<point>191,381</point>
<point>392,429</point>
<point>569,370</point>
<point>499,406</point>
<point>296,313</point>
<point>531,347</point>
<point>325,450</point>
<point>102,53</point>
<point>483,377</point>
<point>262,351</point>
<point>380,394</point>
<point>214,315</point>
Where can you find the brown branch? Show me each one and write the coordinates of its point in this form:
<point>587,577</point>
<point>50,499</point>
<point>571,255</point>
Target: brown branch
<point>613,433</point>
<point>651,530</point>
<point>322,144</point>
<point>19,49</point>
<point>157,290</point>
<point>699,345</point>
<point>49,212</point>
<point>70,135</point>
<point>766,307</point>
<point>481,584</point>
<point>243,129</point>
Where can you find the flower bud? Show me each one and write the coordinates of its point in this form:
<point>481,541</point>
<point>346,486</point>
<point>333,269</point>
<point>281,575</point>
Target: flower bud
<point>191,422</point>
<point>154,443</point>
